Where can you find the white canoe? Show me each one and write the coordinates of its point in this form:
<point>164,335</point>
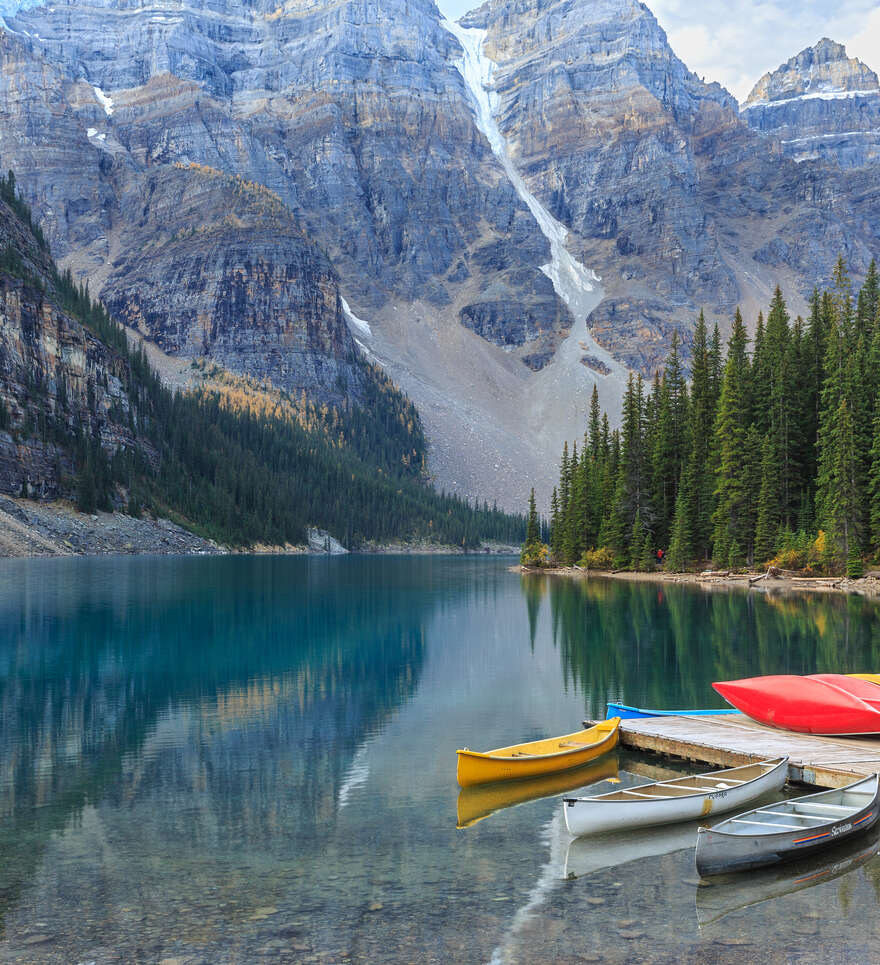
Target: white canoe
<point>679,799</point>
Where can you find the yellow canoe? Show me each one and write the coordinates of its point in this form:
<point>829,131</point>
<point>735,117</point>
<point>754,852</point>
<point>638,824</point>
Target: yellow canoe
<point>476,803</point>
<point>537,757</point>
<point>873,677</point>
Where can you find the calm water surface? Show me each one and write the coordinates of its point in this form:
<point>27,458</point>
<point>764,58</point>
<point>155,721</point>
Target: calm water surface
<point>245,759</point>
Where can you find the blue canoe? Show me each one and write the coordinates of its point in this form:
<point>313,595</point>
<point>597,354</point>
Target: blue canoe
<point>628,713</point>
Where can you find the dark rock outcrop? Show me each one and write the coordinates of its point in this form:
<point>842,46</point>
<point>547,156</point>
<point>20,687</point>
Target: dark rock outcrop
<point>56,377</point>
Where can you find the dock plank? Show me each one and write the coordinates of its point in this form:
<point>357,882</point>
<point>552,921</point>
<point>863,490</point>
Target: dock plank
<point>726,741</point>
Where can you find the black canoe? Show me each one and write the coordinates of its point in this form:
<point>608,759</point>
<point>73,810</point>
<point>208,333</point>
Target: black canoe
<point>788,829</point>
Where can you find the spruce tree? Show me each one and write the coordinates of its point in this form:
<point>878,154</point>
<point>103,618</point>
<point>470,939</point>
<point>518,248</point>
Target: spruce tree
<point>842,499</point>
<point>769,517</point>
<point>555,526</point>
<point>671,442</point>
<point>698,481</point>
<point>636,542</point>
<point>533,529</point>
<point>681,542</point>
<point>732,513</point>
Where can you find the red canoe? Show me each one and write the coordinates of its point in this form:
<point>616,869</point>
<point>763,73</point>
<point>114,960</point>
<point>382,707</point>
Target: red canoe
<point>828,704</point>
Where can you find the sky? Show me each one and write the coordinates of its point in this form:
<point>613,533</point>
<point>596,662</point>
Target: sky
<point>737,41</point>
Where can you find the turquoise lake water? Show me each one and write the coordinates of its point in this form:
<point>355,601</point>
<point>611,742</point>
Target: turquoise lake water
<point>244,759</point>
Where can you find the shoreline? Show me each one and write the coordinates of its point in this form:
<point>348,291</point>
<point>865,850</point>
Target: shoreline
<point>867,586</point>
<point>30,529</point>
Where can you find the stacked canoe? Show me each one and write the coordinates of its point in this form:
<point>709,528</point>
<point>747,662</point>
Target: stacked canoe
<point>823,704</point>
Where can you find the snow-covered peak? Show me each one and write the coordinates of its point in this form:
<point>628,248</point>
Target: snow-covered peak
<point>822,71</point>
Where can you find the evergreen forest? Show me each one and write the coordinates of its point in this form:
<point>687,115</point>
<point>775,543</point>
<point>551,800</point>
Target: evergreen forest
<point>768,454</point>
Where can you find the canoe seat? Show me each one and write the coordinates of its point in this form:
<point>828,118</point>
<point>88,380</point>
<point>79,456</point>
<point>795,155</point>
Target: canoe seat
<point>576,743</point>
<point>821,818</point>
<point>770,824</point>
<point>715,781</point>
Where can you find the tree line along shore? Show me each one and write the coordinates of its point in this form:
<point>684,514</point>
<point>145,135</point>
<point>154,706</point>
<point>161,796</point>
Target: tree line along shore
<point>767,456</point>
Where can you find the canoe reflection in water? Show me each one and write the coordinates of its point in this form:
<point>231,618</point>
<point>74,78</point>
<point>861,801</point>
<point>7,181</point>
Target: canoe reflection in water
<point>721,896</point>
<point>609,850</point>
<point>479,801</point>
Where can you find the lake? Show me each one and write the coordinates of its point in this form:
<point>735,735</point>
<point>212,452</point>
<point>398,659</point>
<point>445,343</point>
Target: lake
<point>247,759</point>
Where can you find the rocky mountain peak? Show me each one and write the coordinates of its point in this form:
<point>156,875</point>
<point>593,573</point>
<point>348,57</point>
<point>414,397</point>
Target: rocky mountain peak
<point>822,70</point>
<point>821,105</point>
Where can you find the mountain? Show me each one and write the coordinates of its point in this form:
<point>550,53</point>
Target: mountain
<point>288,188</point>
<point>673,200</point>
<point>83,415</point>
<point>821,105</point>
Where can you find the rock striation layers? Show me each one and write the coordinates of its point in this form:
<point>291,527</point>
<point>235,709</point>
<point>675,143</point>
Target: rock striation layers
<point>53,373</point>
<point>821,105</point>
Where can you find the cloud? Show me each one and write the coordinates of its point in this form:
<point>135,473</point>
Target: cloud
<point>865,42</point>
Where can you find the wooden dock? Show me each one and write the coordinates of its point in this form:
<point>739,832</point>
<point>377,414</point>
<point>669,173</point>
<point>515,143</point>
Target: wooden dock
<point>728,740</point>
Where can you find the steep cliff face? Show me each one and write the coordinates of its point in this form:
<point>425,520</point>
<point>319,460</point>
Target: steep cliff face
<point>239,283</point>
<point>252,290</point>
<point>348,112</point>
<point>602,117</point>
<point>669,195</point>
<point>57,380</point>
<point>822,105</point>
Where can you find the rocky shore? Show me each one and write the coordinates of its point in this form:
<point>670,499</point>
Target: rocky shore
<point>33,528</point>
<point>757,582</point>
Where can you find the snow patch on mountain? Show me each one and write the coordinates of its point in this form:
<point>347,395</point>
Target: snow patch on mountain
<point>822,95</point>
<point>105,101</point>
<point>353,321</point>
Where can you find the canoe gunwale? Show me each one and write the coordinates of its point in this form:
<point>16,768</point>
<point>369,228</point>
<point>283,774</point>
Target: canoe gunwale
<point>638,712</point>
<point>610,733</point>
<point>609,797</point>
<point>718,829</point>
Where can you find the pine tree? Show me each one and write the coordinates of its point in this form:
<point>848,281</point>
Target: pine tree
<point>716,367</point>
<point>868,304</point>
<point>533,530</point>
<point>732,513</point>
<point>843,451</point>
<point>694,532</point>
<point>769,516</point>
<point>874,481</point>
<point>838,483</point>
<point>570,536</point>
<point>681,540</point>
<point>636,542</point>
<point>555,526</point>
<point>671,442</point>
<point>632,489</point>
